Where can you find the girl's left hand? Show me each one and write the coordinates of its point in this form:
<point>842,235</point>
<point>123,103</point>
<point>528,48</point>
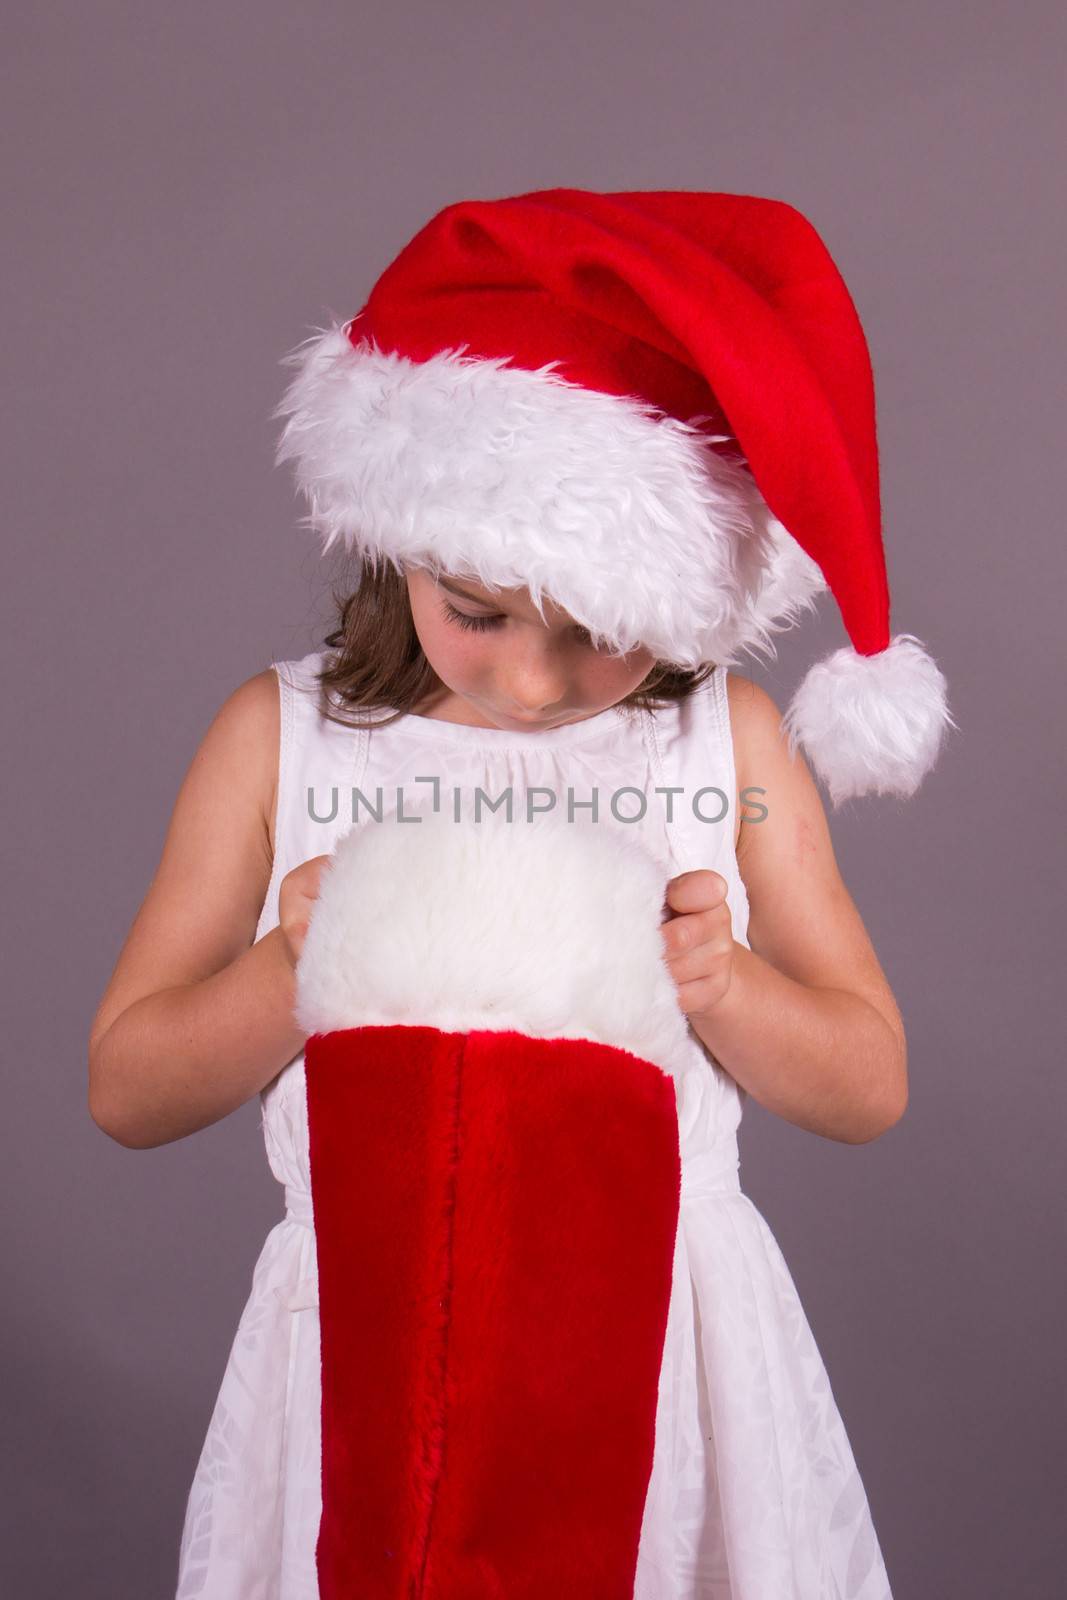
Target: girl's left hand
<point>698,939</point>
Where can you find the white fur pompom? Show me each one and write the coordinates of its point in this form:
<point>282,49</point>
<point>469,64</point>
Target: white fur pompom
<point>871,724</point>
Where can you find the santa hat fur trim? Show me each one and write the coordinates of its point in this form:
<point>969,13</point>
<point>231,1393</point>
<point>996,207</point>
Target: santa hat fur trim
<point>629,520</point>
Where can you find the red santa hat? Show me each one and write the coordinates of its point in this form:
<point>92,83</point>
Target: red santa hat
<point>655,409</point>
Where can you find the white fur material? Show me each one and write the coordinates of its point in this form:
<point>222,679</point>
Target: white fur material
<point>546,927</point>
<point>625,518</point>
<point>871,724</point>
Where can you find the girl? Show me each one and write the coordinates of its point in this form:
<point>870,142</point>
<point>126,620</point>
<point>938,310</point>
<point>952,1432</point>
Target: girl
<point>555,570</point>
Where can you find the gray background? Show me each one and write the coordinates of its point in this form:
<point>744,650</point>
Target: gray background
<point>191,188</point>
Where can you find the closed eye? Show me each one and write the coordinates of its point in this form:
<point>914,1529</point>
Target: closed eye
<point>463,619</point>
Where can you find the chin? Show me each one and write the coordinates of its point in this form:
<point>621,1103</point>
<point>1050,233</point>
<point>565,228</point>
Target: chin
<point>541,722</point>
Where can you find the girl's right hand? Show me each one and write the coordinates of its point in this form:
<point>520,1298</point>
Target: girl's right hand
<point>296,900</point>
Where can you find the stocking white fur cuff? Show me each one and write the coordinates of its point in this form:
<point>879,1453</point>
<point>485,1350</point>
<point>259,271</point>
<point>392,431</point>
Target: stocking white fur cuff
<point>547,927</point>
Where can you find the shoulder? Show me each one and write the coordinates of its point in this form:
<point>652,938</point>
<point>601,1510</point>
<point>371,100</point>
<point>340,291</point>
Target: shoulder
<point>240,747</point>
<point>777,795</point>
<point>755,728</point>
<point>755,724</point>
<point>249,716</point>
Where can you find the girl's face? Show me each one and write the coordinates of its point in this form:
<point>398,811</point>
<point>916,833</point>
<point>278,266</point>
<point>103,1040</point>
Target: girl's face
<point>506,667</point>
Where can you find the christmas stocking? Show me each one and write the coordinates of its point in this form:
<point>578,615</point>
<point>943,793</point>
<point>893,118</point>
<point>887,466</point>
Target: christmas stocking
<point>495,1179</point>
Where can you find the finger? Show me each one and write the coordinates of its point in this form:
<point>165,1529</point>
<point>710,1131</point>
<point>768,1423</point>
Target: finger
<point>699,996</point>
<point>695,891</point>
<point>694,928</point>
<point>316,867</point>
<point>703,962</point>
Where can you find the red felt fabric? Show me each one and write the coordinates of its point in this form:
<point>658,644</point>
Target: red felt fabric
<point>495,1219</point>
<point>696,302</point>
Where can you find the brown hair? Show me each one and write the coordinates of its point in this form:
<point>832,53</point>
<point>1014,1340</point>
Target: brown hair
<point>379,663</point>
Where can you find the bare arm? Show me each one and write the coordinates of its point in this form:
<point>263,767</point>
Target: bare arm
<point>808,1023</point>
<point>196,1018</point>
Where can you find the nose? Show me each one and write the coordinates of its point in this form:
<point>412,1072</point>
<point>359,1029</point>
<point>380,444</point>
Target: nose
<point>532,681</point>
<point>535,692</point>
<point>535,709</point>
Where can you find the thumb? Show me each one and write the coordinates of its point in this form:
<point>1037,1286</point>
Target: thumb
<point>698,890</point>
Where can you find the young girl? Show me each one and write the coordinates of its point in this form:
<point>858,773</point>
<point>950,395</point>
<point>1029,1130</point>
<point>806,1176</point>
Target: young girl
<point>555,570</point>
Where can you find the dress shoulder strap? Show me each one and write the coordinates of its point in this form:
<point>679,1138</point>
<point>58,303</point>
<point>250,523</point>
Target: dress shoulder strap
<point>693,750</point>
<point>319,762</point>
<point>717,703</point>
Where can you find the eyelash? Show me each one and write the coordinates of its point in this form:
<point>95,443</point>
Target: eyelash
<point>476,624</point>
<point>483,624</point>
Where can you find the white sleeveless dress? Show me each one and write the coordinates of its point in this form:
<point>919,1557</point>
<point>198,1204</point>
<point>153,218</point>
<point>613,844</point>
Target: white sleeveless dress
<point>754,1492</point>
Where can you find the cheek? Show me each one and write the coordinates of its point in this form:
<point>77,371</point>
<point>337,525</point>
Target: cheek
<point>610,678</point>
